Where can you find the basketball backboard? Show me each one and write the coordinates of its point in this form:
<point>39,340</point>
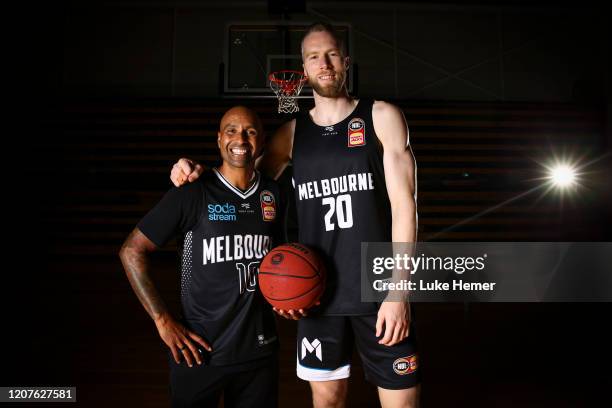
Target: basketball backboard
<point>252,51</point>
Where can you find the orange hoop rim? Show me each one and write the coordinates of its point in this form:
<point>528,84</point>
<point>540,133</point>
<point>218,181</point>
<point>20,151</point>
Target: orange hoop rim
<point>288,83</point>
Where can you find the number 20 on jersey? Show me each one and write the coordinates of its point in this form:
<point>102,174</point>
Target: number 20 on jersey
<point>342,208</point>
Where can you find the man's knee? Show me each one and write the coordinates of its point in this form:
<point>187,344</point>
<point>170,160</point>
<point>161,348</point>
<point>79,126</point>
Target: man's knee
<point>329,394</point>
<point>406,398</point>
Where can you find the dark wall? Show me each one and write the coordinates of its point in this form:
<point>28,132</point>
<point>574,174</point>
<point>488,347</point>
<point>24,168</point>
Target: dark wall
<point>514,51</point>
<point>113,92</point>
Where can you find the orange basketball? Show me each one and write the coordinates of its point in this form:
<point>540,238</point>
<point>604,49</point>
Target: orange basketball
<point>292,276</point>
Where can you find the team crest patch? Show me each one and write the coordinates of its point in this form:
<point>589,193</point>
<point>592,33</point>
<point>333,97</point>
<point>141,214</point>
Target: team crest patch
<point>356,133</point>
<point>405,365</point>
<point>268,205</point>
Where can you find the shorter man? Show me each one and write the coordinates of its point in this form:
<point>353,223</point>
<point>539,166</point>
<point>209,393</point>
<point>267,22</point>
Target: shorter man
<point>227,328</point>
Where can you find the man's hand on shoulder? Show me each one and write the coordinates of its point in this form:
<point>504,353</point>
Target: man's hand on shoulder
<point>185,171</point>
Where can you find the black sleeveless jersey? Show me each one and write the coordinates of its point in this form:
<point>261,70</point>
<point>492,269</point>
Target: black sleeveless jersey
<point>221,253</point>
<point>341,200</point>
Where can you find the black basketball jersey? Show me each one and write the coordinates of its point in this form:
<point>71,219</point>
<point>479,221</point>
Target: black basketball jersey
<point>341,200</point>
<point>220,259</point>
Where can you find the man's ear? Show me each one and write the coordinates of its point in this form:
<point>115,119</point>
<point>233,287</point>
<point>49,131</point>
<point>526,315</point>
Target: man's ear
<point>347,62</point>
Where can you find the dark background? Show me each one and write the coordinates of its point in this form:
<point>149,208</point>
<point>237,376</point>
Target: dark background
<point>111,93</point>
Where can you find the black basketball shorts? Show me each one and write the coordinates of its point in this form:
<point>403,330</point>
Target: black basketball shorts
<point>325,346</point>
<point>249,385</point>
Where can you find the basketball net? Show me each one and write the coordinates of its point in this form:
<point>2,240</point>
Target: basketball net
<point>287,85</point>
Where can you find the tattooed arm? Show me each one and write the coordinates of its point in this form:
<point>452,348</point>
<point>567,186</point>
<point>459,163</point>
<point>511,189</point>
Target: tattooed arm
<point>134,255</point>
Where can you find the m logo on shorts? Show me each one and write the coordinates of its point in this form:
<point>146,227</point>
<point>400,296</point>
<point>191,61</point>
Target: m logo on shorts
<point>315,346</point>
<point>405,365</point>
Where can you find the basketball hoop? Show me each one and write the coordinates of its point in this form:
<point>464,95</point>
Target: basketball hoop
<point>287,85</point>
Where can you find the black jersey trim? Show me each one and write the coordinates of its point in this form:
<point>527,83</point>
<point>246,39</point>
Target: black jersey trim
<point>242,194</point>
<point>337,123</point>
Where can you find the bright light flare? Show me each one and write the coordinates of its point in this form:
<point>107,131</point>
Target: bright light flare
<point>563,175</point>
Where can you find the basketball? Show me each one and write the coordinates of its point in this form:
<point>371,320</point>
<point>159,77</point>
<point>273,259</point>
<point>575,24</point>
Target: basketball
<point>292,276</point>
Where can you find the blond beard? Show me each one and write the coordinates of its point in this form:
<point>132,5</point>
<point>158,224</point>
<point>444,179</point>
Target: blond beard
<point>332,91</point>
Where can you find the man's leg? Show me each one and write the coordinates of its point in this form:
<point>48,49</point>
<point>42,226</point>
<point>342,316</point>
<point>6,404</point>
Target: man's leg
<point>394,370</point>
<point>329,394</point>
<point>197,386</point>
<point>406,398</point>
<point>255,387</point>
<point>324,348</point>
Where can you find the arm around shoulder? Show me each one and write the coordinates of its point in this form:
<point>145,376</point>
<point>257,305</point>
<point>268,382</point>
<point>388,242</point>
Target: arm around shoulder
<point>277,151</point>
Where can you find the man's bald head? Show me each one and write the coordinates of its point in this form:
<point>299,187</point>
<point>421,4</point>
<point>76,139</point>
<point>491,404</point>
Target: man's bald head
<point>240,137</point>
<point>241,114</point>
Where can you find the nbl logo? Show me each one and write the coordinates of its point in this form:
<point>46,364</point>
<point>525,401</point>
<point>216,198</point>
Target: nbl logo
<point>268,205</point>
<point>356,125</point>
<point>405,365</point>
<point>356,132</point>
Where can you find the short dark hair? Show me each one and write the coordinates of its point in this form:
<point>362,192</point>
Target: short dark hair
<point>321,26</point>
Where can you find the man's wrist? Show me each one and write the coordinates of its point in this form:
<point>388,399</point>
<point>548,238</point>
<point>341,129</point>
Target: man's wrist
<point>397,296</point>
<point>161,319</point>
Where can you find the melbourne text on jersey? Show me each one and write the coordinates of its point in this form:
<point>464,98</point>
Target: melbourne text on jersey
<point>335,185</point>
<point>235,247</point>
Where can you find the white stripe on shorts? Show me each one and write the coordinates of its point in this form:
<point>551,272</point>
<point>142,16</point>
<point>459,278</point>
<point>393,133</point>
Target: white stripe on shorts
<point>320,374</point>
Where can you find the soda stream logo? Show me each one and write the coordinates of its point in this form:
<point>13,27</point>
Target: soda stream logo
<point>221,212</point>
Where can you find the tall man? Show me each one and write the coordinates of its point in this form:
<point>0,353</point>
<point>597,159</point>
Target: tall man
<point>228,329</point>
<point>354,176</point>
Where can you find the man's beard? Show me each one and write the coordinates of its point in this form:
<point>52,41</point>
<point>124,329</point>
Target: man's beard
<point>332,90</point>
